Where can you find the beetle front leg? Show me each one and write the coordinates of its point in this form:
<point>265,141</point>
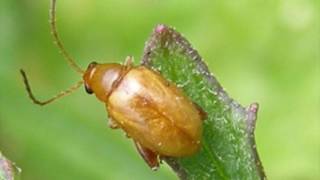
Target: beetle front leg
<point>112,123</point>
<point>150,157</point>
<point>129,61</point>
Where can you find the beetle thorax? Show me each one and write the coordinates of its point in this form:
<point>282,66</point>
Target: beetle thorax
<point>102,78</point>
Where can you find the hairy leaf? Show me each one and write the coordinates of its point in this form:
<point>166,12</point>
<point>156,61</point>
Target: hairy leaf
<point>228,146</point>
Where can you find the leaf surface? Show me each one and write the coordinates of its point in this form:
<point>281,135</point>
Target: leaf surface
<point>228,146</point>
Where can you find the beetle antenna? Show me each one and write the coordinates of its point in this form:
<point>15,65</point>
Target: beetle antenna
<point>59,95</point>
<point>58,41</point>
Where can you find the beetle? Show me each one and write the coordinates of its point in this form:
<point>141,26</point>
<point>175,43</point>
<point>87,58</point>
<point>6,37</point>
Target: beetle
<point>155,113</point>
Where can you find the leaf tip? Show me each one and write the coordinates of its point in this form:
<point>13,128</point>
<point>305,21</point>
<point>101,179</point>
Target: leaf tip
<point>160,28</point>
<point>252,116</point>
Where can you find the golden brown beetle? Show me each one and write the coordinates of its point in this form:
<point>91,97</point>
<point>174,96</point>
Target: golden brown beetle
<point>156,114</point>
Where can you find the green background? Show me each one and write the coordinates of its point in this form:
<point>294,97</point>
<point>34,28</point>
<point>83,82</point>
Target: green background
<point>261,51</point>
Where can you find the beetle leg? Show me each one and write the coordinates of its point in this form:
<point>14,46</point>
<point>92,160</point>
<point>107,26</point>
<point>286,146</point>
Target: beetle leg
<point>129,61</point>
<point>150,157</point>
<point>112,123</point>
<point>202,113</point>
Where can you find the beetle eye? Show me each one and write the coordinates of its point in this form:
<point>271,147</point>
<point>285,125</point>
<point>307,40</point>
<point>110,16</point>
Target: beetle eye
<point>88,89</point>
<point>92,64</point>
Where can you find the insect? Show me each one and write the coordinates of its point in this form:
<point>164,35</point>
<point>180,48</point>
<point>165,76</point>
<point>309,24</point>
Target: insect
<point>154,112</point>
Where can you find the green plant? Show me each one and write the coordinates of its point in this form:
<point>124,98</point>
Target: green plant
<point>228,148</point>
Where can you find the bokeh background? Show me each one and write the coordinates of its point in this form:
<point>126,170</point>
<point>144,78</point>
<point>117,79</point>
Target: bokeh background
<point>261,51</point>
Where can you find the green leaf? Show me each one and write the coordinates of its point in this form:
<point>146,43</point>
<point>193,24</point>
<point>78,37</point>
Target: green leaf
<point>228,146</point>
<point>7,169</point>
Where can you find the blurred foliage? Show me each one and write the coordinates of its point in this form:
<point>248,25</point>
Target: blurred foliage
<point>264,51</point>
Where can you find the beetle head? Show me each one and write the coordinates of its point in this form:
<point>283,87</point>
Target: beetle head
<point>99,78</point>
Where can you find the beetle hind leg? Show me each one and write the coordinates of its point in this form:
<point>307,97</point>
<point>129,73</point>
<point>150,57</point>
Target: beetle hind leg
<point>150,157</point>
